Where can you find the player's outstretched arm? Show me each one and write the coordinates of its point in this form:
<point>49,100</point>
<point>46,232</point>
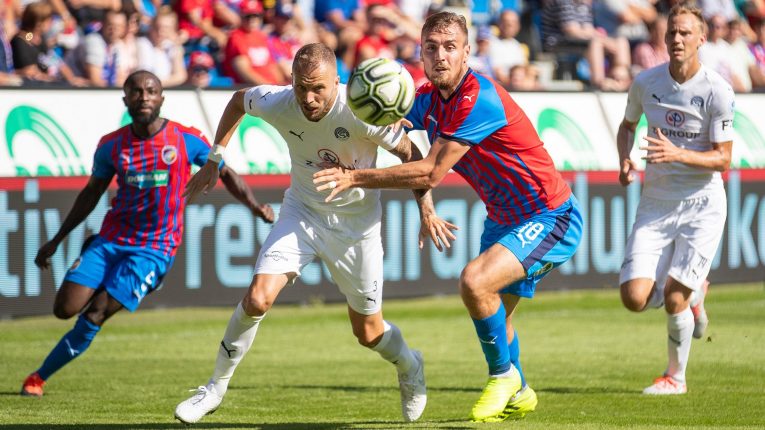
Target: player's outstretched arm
<point>624,141</point>
<point>83,205</point>
<point>239,189</point>
<point>206,178</point>
<point>422,174</point>
<point>431,225</point>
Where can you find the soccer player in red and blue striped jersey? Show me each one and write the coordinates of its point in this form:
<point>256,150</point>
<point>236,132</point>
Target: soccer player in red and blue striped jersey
<point>533,223</point>
<point>151,158</point>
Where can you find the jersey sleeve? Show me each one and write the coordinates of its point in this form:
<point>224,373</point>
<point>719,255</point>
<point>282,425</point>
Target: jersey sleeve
<point>197,148</point>
<point>417,114</point>
<point>103,164</point>
<point>474,120</point>
<point>385,137</point>
<point>722,109</point>
<point>634,101</point>
<point>257,100</point>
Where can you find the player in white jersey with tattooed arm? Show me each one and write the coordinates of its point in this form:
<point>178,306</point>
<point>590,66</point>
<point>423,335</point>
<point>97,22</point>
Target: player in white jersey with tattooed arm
<point>319,128</point>
<point>682,209</point>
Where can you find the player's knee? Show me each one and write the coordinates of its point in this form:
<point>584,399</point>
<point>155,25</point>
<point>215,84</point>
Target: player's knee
<point>632,300</point>
<point>256,304</point>
<point>63,312</point>
<point>470,281</point>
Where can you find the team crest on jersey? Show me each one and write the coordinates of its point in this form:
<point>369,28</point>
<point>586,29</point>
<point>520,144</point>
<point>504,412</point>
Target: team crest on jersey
<point>327,155</point>
<point>675,118</point>
<point>169,154</point>
<point>697,101</point>
<point>341,133</point>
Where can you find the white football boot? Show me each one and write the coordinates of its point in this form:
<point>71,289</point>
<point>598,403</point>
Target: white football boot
<point>665,386</point>
<point>204,402</point>
<point>412,387</point>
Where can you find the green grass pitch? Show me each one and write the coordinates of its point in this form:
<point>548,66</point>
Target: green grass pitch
<point>586,356</point>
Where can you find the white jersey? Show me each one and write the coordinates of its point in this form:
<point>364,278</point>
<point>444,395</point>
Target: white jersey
<point>693,115</point>
<point>339,138</point>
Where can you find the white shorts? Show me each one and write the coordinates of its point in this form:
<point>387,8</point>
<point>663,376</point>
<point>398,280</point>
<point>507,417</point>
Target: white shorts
<point>354,256</point>
<point>676,239</point>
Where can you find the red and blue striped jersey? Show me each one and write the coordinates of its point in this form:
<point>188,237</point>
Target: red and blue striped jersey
<point>152,173</point>
<point>507,164</point>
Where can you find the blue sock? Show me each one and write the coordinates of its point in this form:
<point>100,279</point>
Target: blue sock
<point>493,337</point>
<point>515,356</point>
<point>74,343</point>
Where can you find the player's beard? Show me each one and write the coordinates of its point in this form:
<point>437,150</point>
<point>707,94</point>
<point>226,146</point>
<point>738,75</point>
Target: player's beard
<point>143,119</point>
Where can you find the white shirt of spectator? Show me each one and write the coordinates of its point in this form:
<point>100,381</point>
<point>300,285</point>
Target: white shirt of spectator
<point>339,138</point>
<point>506,53</point>
<point>692,115</point>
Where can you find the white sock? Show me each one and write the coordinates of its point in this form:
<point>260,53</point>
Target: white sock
<point>240,333</point>
<point>393,348</point>
<point>679,335</point>
<point>696,297</point>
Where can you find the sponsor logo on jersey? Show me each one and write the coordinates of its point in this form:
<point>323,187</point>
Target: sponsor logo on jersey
<point>679,133</point>
<point>169,154</point>
<point>674,118</point>
<point>341,133</point>
<point>157,178</point>
<point>697,101</point>
<point>544,269</point>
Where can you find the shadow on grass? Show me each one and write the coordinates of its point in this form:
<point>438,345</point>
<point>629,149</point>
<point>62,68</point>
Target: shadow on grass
<point>585,390</point>
<point>354,389</point>
<point>449,425</point>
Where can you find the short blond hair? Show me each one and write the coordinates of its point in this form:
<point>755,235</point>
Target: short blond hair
<point>442,20</point>
<point>690,9</point>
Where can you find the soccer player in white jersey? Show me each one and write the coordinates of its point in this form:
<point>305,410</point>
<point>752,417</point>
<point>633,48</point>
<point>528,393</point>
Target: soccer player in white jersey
<point>319,129</point>
<point>682,209</point>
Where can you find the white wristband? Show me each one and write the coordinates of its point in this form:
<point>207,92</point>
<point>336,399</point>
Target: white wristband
<point>216,153</point>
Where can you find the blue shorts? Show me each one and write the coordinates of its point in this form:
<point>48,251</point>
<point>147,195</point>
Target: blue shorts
<point>127,273</point>
<point>541,243</point>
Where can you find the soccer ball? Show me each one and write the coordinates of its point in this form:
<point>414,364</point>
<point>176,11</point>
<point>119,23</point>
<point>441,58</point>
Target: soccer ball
<point>380,91</point>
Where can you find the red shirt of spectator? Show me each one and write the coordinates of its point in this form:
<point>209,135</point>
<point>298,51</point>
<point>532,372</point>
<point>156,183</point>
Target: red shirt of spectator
<point>376,44</point>
<point>250,43</point>
<point>186,8</point>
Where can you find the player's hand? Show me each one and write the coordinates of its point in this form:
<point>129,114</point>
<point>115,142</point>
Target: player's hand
<point>403,122</point>
<point>438,230</point>
<point>264,212</point>
<point>660,149</point>
<point>203,181</point>
<point>44,253</point>
<point>335,179</point>
<point>627,172</point>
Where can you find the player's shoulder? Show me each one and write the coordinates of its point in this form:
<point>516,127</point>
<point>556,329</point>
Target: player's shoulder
<point>186,130</point>
<point>269,95</point>
<point>115,135</point>
<point>653,75</point>
<point>715,80</point>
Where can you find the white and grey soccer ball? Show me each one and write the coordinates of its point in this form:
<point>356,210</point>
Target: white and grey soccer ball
<point>380,91</point>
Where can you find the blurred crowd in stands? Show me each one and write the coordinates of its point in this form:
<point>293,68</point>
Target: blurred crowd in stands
<point>526,45</point>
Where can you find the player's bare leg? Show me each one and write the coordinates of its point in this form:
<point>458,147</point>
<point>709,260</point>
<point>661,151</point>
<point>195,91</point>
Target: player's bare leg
<point>480,282</point>
<point>237,340</point>
<point>373,332</point>
<point>641,294</point>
